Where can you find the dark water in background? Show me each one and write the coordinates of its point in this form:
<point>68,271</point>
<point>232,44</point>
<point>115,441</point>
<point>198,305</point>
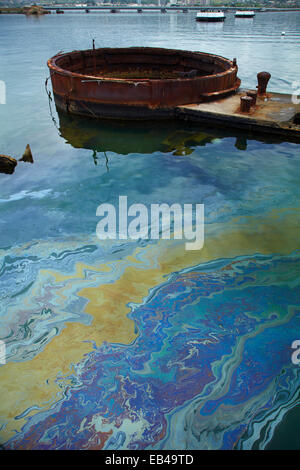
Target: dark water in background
<point>137,344</point>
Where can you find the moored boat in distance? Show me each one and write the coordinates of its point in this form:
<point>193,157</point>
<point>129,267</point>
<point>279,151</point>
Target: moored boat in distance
<point>205,15</point>
<point>244,14</point>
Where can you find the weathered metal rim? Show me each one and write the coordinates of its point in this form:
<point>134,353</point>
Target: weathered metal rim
<point>55,68</point>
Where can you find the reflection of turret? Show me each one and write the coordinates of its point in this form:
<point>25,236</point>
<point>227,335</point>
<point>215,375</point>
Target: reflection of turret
<point>144,137</point>
<point>183,142</point>
<point>125,137</point>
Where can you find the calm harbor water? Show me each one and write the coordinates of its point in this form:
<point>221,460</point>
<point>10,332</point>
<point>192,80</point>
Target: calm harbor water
<point>140,344</point>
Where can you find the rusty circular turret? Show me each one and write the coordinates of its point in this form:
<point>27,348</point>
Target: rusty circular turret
<point>138,82</point>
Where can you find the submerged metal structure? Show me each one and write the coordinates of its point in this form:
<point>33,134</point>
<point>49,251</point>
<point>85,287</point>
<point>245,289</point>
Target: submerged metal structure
<point>138,82</point>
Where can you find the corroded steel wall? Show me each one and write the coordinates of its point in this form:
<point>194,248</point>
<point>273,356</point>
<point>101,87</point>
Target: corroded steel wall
<point>84,83</point>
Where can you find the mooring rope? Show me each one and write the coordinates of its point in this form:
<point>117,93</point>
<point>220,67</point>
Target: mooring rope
<point>50,100</point>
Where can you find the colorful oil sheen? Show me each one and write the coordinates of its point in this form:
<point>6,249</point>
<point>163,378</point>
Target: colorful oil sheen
<point>209,367</point>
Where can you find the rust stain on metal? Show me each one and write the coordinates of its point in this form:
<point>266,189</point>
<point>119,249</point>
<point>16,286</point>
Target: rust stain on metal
<point>262,79</point>
<point>275,114</point>
<point>246,102</point>
<point>253,96</point>
<point>130,82</point>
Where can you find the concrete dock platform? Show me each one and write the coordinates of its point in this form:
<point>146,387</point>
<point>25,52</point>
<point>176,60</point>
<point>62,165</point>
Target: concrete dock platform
<point>274,114</point>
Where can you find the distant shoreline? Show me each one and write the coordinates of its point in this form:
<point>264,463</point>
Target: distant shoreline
<point>33,10</point>
<point>12,10</point>
<point>24,10</point>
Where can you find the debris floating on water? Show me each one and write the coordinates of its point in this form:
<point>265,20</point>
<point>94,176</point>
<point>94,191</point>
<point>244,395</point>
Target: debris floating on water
<point>7,164</point>
<point>27,155</point>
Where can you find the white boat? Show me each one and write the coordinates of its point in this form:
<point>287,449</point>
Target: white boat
<point>205,15</point>
<point>244,14</point>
